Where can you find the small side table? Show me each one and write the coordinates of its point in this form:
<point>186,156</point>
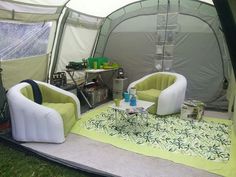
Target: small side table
<point>98,73</point>
<point>125,110</point>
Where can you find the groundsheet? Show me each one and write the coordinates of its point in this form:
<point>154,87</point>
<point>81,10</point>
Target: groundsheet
<point>206,145</point>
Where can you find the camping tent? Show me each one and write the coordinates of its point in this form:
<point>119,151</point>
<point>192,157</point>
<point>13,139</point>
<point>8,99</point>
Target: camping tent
<point>40,37</point>
<point>185,36</point>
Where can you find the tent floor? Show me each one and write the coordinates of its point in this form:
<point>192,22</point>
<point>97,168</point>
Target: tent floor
<point>104,159</point>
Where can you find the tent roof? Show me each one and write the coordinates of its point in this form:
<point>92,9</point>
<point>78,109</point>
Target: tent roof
<point>102,8</point>
<point>98,8</point>
<point>44,2</point>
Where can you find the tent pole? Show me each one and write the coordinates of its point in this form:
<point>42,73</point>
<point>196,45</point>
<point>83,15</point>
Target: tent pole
<point>53,57</point>
<point>58,42</point>
<point>228,23</point>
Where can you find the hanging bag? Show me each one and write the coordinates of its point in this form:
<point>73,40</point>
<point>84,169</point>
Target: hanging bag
<point>4,111</point>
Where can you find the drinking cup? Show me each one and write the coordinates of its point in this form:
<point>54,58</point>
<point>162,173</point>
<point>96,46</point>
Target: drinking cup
<point>126,96</point>
<point>117,102</point>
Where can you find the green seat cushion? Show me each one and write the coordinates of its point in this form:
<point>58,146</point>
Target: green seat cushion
<point>67,112</point>
<point>150,95</point>
<point>27,92</point>
<point>156,81</point>
<point>150,88</point>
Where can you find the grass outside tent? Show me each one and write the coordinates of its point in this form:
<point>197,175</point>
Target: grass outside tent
<point>23,164</point>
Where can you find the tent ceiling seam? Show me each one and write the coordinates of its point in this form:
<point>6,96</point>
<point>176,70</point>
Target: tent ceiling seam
<point>72,10</point>
<point>165,38</point>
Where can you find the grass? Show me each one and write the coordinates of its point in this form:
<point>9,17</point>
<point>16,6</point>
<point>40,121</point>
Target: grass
<point>22,164</point>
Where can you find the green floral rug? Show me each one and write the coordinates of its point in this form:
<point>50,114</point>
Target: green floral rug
<point>171,133</point>
<point>209,144</point>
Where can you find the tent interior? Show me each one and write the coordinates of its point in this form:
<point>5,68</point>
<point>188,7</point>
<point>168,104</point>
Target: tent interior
<point>40,38</point>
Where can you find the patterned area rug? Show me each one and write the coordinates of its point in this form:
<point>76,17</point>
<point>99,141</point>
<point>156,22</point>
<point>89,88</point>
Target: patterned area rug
<point>204,139</point>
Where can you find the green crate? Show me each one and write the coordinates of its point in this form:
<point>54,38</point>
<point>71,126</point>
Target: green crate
<point>99,62</point>
<point>90,62</point>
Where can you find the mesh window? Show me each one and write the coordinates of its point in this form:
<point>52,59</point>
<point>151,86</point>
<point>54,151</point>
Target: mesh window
<point>23,40</point>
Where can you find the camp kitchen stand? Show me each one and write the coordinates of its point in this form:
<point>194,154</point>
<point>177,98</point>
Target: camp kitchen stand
<point>96,96</point>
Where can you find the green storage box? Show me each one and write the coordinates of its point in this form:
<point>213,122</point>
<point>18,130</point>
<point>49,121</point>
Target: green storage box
<point>96,63</point>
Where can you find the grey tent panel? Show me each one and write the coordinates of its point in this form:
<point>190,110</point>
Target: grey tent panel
<point>192,44</point>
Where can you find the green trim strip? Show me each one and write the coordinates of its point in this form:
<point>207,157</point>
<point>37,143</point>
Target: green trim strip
<point>16,70</point>
<point>222,168</point>
<point>27,17</point>
<point>76,22</point>
<point>5,14</point>
<point>35,17</point>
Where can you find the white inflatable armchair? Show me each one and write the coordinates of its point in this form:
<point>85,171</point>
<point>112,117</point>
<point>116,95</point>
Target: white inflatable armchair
<point>165,89</point>
<point>50,121</point>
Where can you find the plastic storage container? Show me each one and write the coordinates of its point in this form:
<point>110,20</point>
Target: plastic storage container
<point>117,94</point>
<point>97,95</point>
<point>193,109</point>
<point>98,60</point>
<point>119,86</point>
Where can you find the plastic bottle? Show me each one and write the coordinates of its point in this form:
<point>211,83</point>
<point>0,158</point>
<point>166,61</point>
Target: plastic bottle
<point>95,65</point>
<point>133,101</point>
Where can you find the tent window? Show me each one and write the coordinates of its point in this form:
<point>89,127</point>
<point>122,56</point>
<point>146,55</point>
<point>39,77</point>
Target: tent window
<point>19,40</point>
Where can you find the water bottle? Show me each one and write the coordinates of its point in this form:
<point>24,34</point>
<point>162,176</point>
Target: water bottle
<point>133,101</point>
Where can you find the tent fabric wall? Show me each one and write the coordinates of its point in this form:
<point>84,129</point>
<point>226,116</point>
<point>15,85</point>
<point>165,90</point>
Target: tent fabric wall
<point>199,49</point>
<point>42,2</point>
<point>77,43</point>
<point>78,38</point>
<point>27,12</point>
<point>97,8</point>
<point>191,50</point>
<point>194,8</point>
<point>15,71</point>
<point>233,7</point>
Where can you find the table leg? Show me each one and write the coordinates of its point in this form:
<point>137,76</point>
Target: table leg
<point>145,114</point>
<point>87,101</point>
<point>71,74</point>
